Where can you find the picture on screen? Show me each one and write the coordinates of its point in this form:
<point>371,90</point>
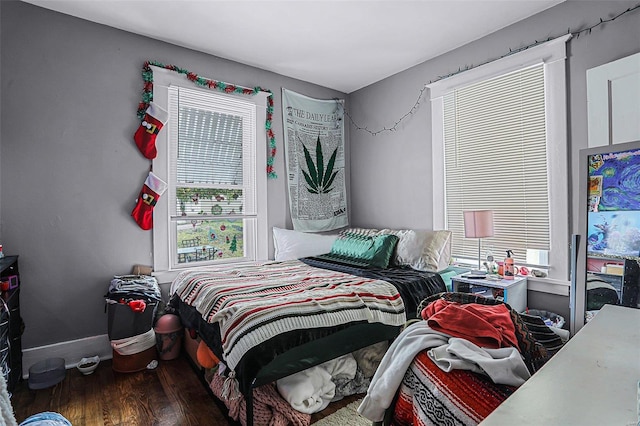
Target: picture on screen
<point>614,233</point>
<point>615,178</point>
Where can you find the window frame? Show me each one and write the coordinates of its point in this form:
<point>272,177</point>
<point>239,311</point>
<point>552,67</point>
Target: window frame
<point>164,269</point>
<point>552,54</point>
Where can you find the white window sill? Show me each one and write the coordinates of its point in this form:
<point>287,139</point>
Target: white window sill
<point>166,277</point>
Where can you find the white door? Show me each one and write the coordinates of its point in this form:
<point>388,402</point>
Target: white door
<point>613,100</point>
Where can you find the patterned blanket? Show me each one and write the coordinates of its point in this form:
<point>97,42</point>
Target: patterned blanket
<point>429,396</point>
<point>254,303</point>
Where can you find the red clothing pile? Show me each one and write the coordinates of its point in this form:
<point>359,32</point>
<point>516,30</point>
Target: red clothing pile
<point>488,326</point>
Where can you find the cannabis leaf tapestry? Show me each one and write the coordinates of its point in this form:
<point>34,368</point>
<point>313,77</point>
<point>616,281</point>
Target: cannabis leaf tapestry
<point>314,155</point>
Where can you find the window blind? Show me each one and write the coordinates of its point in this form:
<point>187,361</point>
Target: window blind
<point>496,159</point>
<point>209,147</point>
<point>214,159</point>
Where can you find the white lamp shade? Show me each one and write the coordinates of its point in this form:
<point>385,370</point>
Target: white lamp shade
<point>478,224</point>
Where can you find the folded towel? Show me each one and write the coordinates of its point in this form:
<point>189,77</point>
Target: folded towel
<point>308,391</point>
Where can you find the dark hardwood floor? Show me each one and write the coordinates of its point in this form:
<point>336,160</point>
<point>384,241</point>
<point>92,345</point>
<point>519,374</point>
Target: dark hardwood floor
<point>172,394</point>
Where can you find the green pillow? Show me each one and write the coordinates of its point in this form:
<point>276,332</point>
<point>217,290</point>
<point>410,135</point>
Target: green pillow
<point>373,250</point>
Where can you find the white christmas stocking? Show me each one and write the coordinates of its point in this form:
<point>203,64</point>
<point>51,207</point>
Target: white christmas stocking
<point>151,191</point>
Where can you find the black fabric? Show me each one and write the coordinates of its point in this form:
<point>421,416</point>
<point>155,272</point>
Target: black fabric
<point>600,296</point>
<point>631,285</point>
<point>542,333</point>
<point>346,261</point>
<point>133,287</point>
<point>600,293</point>
<point>412,285</point>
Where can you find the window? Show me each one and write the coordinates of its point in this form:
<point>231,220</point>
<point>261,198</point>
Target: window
<point>496,158</point>
<point>499,143</point>
<point>212,156</point>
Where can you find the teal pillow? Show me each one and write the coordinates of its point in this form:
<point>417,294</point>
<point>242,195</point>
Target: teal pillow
<point>373,250</point>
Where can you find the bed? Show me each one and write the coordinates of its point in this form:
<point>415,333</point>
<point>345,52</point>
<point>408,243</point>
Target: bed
<point>268,320</point>
<point>430,395</point>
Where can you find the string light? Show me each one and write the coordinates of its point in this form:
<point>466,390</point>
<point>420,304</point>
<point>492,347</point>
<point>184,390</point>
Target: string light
<point>416,105</point>
<point>393,128</point>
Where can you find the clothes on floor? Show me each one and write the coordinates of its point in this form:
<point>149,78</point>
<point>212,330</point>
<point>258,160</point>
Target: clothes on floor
<point>308,391</point>
<point>269,408</point>
<point>343,367</point>
<point>348,387</point>
<point>6,410</point>
<point>293,399</point>
<point>369,358</point>
<point>311,390</point>
<point>387,379</point>
<point>504,365</point>
<point>487,326</point>
<point>476,337</point>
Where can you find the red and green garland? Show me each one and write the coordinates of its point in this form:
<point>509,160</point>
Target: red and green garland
<point>147,96</point>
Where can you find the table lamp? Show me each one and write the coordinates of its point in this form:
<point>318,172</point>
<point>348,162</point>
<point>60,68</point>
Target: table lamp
<point>478,224</point>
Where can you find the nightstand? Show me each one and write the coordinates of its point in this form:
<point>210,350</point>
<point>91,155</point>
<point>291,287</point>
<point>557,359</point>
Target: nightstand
<point>513,292</point>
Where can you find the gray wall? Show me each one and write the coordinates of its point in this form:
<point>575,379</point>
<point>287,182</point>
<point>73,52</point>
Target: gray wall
<point>70,171</point>
<point>393,169</point>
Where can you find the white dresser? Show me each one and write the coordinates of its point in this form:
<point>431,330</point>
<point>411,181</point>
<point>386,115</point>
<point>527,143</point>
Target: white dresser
<point>592,380</point>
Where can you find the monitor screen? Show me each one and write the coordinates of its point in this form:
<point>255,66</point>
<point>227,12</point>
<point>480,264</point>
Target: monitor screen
<point>613,227</point>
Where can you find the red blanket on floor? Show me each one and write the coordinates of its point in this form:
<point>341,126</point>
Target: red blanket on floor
<point>429,396</point>
<point>270,409</point>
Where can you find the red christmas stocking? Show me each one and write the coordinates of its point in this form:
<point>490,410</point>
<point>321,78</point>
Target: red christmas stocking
<point>145,137</point>
<point>151,191</point>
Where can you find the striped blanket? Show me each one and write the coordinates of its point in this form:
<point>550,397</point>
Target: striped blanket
<point>429,396</point>
<point>253,303</point>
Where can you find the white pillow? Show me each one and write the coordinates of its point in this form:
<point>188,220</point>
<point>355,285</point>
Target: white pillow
<point>421,249</point>
<point>295,244</point>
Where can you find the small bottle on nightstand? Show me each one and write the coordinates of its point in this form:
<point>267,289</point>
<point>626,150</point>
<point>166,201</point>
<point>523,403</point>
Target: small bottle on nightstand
<point>508,266</point>
<point>1,252</point>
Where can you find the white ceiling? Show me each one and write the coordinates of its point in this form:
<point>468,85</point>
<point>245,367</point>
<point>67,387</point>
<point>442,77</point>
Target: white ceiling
<point>341,44</point>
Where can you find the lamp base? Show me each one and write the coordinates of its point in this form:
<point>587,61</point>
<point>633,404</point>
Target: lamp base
<point>478,272</point>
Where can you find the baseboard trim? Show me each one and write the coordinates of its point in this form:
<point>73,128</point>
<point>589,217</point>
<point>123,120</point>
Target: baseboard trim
<point>72,351</point>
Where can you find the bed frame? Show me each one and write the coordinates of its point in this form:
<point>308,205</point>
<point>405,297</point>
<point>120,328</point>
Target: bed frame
<point>327,344</point>
<point>341,342</point>
<point>308,355</point>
